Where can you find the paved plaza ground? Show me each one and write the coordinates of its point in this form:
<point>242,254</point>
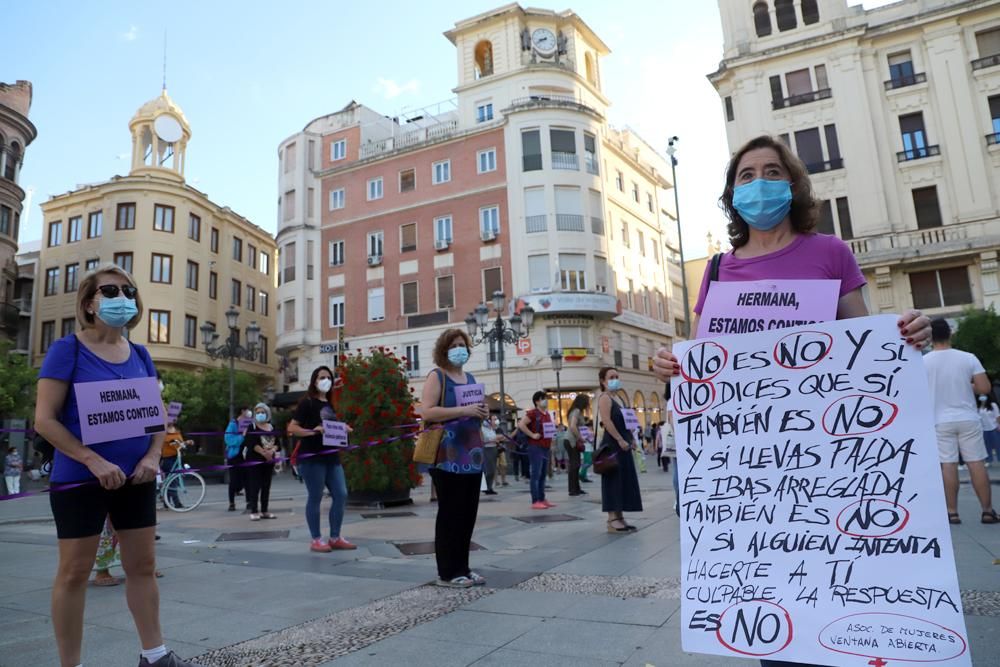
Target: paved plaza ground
<point>559,593</point>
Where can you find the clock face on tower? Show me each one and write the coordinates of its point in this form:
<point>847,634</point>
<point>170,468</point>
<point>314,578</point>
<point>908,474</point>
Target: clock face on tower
<point>544,40</point>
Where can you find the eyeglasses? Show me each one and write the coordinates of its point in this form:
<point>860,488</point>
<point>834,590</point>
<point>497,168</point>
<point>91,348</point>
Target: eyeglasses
<point>111,291</point>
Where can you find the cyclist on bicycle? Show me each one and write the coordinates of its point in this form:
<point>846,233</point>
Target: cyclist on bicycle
<point>172,444</point>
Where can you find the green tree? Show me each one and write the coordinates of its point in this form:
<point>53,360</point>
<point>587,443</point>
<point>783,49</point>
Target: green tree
<point>205,396</point>
<point>17,384</point>
<point>375,400</point>
<point>979,333</point>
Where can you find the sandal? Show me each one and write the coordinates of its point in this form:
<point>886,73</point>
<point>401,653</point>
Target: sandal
<point>615,529</point>
<point>457,582</point>
<point>477,579</point>
<point>105,581</point>
<point>990,517</point>
<point>953,518</point>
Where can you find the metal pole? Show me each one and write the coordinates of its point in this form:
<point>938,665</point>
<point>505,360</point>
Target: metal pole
<point>232,376</point>
<point>500,343</point>
<point>558,399</point>
<point>680,247</point>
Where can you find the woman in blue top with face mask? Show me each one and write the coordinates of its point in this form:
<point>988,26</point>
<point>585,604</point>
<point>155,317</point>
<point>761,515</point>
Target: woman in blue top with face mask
<point>458,469</point>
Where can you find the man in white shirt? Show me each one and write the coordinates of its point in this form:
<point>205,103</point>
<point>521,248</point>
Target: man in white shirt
<point>955,379</point>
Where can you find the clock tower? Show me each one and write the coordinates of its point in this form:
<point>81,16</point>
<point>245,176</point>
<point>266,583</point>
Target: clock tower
<point>160,134</point>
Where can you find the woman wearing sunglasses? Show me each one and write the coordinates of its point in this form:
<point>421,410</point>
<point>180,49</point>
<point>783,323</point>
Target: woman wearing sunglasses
<point>117,478</point>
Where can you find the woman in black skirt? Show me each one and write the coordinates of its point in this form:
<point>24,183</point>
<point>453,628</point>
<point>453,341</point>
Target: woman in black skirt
<point>619,487</point>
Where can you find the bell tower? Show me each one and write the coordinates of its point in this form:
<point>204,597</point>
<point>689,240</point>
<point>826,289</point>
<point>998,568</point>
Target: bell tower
<point>160,134</point>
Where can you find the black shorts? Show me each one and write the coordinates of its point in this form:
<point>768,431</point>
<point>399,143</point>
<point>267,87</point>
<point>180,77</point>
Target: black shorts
<point>80,511</point>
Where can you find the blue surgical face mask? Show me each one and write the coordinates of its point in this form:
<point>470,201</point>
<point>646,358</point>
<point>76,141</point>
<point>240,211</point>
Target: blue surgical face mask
<point>763,204</point>
<point>614,384</point>
<point>260,417</point>
<point>116,312</point>
<point>457,356</point>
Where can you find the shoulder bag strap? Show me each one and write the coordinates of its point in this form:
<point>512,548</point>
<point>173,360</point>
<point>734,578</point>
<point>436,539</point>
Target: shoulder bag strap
<point>713,272</point>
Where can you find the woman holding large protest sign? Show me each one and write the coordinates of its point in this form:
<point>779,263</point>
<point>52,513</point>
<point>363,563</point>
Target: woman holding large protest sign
<point>619,482</point>
<point>320,467</point>
<point>99,405</point>
<point>454,402</point>
<point>772,213</point>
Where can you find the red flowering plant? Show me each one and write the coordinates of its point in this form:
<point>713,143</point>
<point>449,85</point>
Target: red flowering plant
<point>375,399</point>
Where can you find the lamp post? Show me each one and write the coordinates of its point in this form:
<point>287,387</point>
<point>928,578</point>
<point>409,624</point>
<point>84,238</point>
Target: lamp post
<point>231,348</point>
<point>671,150</point>
<point>557,361</point>
<point>500,332</point>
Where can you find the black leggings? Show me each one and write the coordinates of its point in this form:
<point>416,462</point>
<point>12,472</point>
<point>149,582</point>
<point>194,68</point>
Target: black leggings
<point>236,479</point>
<point>258,481</point>
<point>458,506</point>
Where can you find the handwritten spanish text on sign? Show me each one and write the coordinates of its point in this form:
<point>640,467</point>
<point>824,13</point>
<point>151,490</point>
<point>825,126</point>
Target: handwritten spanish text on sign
<point>334,434</point>
<point>631,419</point>
<point>813,522</point>
<point>548,430</point>
<point>765,305</point>
<point>470,394</point>
<point>119,409</point>
<point>174,411</point>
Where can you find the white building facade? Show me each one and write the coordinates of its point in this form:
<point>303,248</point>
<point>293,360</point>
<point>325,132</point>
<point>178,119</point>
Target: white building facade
<point>582,225</point>
<point>896,113</point>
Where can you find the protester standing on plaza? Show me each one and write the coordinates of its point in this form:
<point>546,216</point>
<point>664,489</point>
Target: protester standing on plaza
<point>989,415</point>
<point>575,442</point>
<point>173,442</point>
<point>13,466</point>
<point>260,451</point>
<point>619,486</point>
<point>319,466</point>
<point>954,377</point>
<point>532,425</point>
<point>490,441</point>
<point>459,463</point>
<point>233,439</point>
<point>118,475</point>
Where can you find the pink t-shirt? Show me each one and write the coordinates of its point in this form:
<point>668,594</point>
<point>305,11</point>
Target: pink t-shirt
<point>808,257</point>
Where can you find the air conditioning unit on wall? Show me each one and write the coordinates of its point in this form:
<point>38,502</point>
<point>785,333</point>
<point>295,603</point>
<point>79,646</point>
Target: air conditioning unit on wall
<point>442,244</point>
<point>374,260</point>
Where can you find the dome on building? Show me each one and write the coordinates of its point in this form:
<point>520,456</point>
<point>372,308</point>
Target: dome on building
<point>159,105</point>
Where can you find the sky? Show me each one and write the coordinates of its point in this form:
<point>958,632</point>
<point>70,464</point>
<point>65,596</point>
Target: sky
<point>250,74</point>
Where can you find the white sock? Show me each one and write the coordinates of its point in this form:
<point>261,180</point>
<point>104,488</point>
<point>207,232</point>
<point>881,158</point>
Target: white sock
<point>154,654</point>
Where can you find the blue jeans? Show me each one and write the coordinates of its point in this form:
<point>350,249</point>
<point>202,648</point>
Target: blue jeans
<point>538,458</point>
<point>319,474</point>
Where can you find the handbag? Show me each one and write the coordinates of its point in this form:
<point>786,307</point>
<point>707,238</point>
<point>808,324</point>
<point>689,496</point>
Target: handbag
<point>426,448</point>
<point>606,456</point>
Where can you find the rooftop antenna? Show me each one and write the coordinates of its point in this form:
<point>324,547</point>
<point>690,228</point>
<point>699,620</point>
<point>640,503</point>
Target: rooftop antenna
<point>164,60</point>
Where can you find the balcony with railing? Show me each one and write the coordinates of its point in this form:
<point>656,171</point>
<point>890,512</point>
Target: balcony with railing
<point>993,139</point>
<point>551,101</point>
<point>896,246</point>
<point>905,80</point>
<point>590,160</point>
<point>535,223</point>
<point>24,305</point>
<point>918,153</point>
<point>561,160</point>
<point>801,98</point>
<point>988,61</point>
<point>569,222</point>
<point>597,226</point>
<point>829,165</point>
<point>409,139</point>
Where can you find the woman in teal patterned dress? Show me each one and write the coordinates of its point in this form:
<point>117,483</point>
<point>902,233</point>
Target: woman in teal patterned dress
<point>459,465</point>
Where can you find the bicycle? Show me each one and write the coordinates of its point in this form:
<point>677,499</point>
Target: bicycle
<point>182,490</point>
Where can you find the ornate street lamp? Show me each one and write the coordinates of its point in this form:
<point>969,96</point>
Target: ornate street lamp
<point>501,332</point>
<point>557,363</point>
<point>231,348</point>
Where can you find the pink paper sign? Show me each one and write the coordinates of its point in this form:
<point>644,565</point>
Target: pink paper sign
<point>631,419</point>
<point>470,394</point>
<point>243,424</point>
<point>548,430</point>
<point>119,409</point>
<point>762,305</point>
<point>174,410</point>
<point>334,433</point>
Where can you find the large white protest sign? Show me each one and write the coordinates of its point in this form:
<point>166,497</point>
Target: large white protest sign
<point>813,523</point>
